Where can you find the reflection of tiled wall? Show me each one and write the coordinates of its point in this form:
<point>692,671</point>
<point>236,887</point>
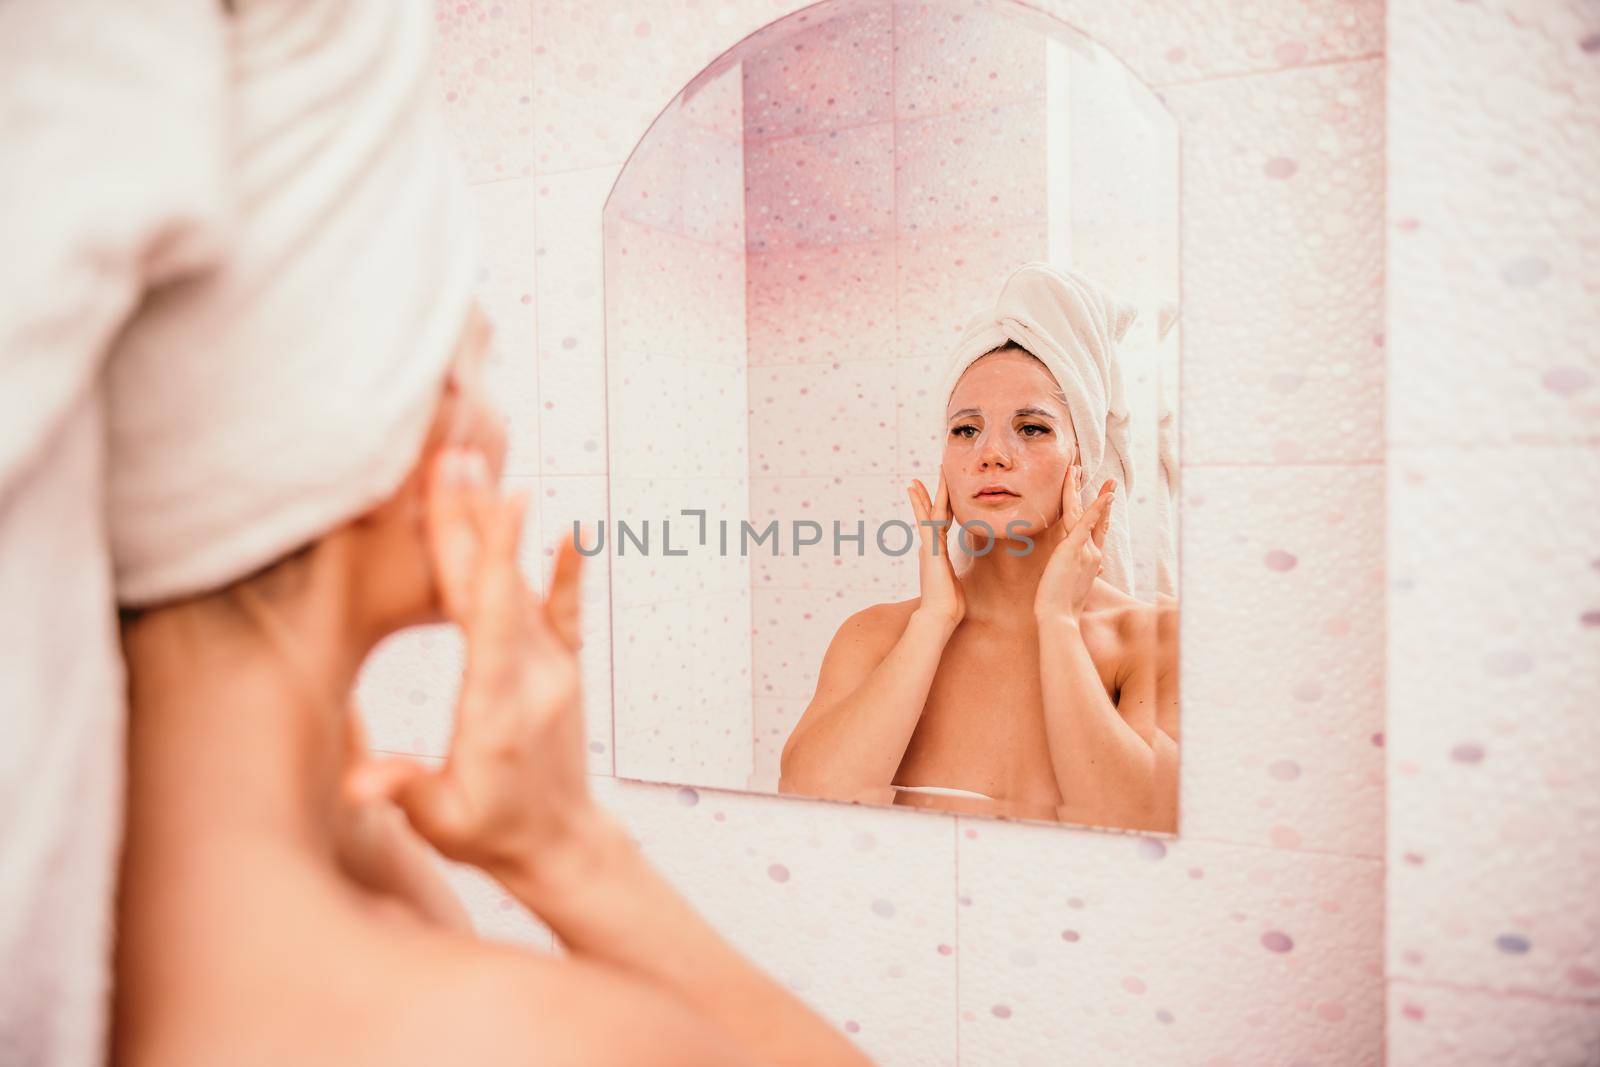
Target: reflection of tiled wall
<point>1256,936</point>
<point>676,390</point>
<point>1493,734</point>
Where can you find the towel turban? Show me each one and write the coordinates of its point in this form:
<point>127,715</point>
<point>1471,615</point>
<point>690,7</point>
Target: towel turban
<point>261,404</point>
<point>1073,328</point>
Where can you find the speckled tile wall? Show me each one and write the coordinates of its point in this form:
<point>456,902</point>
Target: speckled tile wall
<point>1493,911</point>
<point>1257,936</point>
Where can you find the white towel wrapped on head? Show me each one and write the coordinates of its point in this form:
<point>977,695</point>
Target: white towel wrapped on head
<point>256,407</point>
<point>1072,326</point>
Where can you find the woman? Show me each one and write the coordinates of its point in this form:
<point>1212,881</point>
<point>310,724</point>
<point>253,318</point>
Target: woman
<point>1029,686</point>
<point>274,910</point>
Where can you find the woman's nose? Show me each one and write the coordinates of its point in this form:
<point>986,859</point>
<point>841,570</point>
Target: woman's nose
<point>993,455</point>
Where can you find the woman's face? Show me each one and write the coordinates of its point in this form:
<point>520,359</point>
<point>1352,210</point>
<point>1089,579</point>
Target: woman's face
<point>1008,444</point>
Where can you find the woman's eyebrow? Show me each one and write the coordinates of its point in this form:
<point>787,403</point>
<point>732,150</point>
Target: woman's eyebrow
<point>1035,411</point>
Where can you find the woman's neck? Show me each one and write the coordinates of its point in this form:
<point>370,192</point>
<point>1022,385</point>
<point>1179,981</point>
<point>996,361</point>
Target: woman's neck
<point>237,701</point>
<point>1000,586</point>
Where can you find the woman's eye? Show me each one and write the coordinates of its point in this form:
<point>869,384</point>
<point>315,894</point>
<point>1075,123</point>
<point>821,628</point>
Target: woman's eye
<point>961,431</point>
<point>1034,426</point>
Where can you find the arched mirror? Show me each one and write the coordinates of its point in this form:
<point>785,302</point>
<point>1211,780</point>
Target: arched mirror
<point>875,249</point>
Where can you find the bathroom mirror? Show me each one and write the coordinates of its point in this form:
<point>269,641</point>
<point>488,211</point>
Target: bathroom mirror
<point>792,253</point>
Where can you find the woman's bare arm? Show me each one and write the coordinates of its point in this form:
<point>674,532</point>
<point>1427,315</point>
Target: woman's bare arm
<point>851,739</point>
<point>876,675</point>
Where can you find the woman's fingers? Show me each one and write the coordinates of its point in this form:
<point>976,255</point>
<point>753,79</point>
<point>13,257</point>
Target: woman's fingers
<point>561,606</point>
<point>1103,523</point>
<point>1071,499</point>
<point>941,504</point>
<point>451,531</point>
<point>918,496</point>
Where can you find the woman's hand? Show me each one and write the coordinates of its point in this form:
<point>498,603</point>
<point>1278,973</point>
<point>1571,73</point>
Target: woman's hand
<point>513,786</point>
<point>1076,557</point>
<point>942,598</point>
<point>377,847</point>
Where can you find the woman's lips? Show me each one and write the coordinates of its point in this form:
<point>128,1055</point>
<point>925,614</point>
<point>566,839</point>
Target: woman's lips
<point>995,494</point>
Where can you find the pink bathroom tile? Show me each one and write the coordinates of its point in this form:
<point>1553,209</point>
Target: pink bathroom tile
<point>820,189</point>
<point>850,907</point>
<point>711,560</point>
<point>772,721</point>
<point>682,702</point>
<point>646,533</point>
<point>602,72</point>
<point>982,169</point>
<point>1494,226</point>
<point>920,428</point>
<point>825,75</point>
<point>957,57</point>
<point>714,101</point>
<point>714,201</point>
<point>943,279</point>
<point>790,632</point>
<point>561,500</point>
<point>646,401</point>
<point>815,421</point>
<point>1090,947</point>
<point>717,420</point>
<point>496,915</point>
<point>1282,638</point>
<point>1181,40</point>
<point>484,56</point>
<point>1474,1028</point>
<point>867,500</point>
<point>671,295</point>
<point>571,299</point>
<point>506,291</point>
<point>407,690</point>
<point>1493,741</point>
<point>1283,266</point>
<point>821,304</point>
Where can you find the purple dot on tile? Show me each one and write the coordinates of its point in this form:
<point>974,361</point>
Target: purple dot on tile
<point>1000,1011</point>
<point>1512,944</point>
<point>1284,770</point>
<point>1508,664</point>
<point>1070,935</point>
<point>1176,55</point>
<point>1280,167</point>
<point>1163,1015</point>
<point>1290,53</point>
<point>1467,752</point>
<point>1276,941</point>
<point>1566,381</point>
<point>945,950</point>
<point>597,746</point>
<point>1413,1012</point>
<point>1590,618</point>
<point>1580,975</point>
<point>882,907</point>
<point>1279,560</point>
<point>569,343</point>
<point>1308,692</point>
<point>1074,902</point>
<point>688,796</point>
<point>778,872</point>
<point>1591,43</point>
<point>851,1026</point>
<point>1529,270</point>
<point>1151,848</point>
<point>1377,739</point>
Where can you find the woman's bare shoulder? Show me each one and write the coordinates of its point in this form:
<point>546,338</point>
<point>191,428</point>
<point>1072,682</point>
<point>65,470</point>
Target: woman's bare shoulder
<point>883,622</point>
